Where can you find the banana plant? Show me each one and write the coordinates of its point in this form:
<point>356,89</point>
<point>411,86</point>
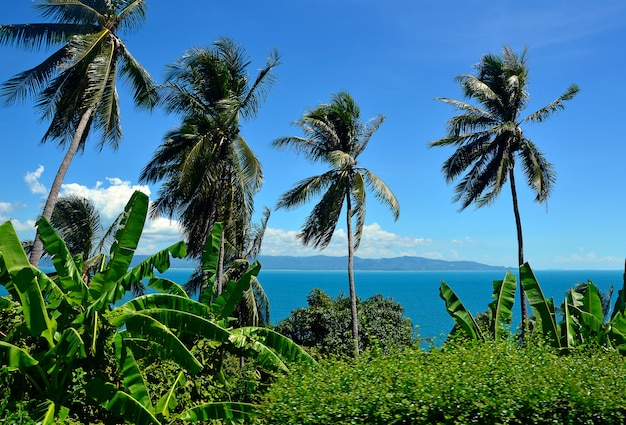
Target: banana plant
<point>582,317</point>
<point>499,314</point>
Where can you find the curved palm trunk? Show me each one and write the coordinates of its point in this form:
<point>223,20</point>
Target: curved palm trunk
<point>353,309</point>
<point>520,250</point>
<point>35,254</point>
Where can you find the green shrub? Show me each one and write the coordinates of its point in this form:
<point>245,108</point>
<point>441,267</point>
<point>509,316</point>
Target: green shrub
<point>326,326</point>
<point>489,383</point>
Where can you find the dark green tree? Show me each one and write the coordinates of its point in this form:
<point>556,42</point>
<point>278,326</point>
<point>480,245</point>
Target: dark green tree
<point>76,86</point>
<point>488,138</point>
<point>325,325</point>
<point>208,171</point>
<point>335,135</point>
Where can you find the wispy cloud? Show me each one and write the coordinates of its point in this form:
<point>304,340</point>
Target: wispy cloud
<point>33,183</point>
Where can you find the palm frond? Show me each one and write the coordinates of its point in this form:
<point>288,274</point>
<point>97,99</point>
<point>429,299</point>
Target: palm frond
<point>554,106</point>
<point>382,192</point>
<point>540,174</point>
<point>321,223</point>
<point>305,190</point>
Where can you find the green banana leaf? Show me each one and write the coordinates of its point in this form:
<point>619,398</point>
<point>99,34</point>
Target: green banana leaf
<point>132,379</point>
<point>142,324</point>
<point>500,308</point>
<point>542,308</point>
<point>220,411</point>
<point>14,358</point>
<point>123,249</point>
<point>69,276</point>
<point>592,302</point>
<point>125,405</point>
<point>211,252</point>
<point>166,301</point>
<point>567,328</point>
<point>462,317</point>
<point>167,286</point>
<point>223,306</point>
<point>24,284</point>
<point>283,346</point>
<point>168,401</point>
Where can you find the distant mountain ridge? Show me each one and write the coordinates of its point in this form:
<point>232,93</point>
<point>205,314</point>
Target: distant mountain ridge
<point>325,262</point>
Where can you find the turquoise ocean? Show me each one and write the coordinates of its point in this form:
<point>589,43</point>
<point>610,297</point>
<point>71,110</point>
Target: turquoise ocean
<point>416,291</point>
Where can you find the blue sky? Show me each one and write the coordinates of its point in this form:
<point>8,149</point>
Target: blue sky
<point>394,57</point>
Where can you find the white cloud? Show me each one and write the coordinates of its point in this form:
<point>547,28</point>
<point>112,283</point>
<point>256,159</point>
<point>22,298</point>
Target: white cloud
<point>589,260</point>
<point>465,240</point>
<point>375,243</point>
<point>158,234</point>
<point>33,183</point>
<point>109,201</point>
<point>6,207</point>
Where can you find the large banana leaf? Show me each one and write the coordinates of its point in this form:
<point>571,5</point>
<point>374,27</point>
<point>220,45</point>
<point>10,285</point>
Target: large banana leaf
<point>24,284</point>
<point>132,379</point>
<point>542,307</point>
<point>13,358</point>
<point>500,308</point>
<point>69,276</point>
<point>167,301</point>
<point>211,252</point>
<point>123,249</point>
<point>462,317</point>
<point>223,306</point>
<point>167,286</point>
<point>125,405</point>
<point>141,324</point>
<point>568,328</point>
<point>283,346</point>
<point>220,411</point>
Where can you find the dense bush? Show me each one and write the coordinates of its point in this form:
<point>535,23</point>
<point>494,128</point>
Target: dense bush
<point>325,324</point>
<point>487,383</point>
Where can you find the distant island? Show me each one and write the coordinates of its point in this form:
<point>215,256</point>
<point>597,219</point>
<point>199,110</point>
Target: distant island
<point>327,262</point>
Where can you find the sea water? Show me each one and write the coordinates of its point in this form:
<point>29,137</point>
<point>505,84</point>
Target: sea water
<point>416,291</point>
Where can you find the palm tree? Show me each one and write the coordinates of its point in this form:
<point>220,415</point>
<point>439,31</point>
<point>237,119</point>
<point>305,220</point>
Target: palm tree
<point>335,135</point>
<point>209,172</point>
<point>75,86</point>
<point>488,138</point>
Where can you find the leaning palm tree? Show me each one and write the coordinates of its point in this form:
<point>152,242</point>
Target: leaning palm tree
<point>208,171</point>
<point>75,86</point>
<point>488,138</point>
<point>335,135</point>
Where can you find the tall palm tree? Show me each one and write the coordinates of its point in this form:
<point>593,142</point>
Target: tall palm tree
<point>335,135</point>
<point>488,138</point>
<point>209,172</point>
<point>75,86</point>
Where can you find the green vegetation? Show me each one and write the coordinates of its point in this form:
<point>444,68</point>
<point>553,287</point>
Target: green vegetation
<point>71,351</point>
<point>474,383</point>
<point>325,325</point>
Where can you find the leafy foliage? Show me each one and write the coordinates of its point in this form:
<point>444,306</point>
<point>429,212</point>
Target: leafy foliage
<point>75,345</point>
<point>481,383</point>
<point>325,325</point>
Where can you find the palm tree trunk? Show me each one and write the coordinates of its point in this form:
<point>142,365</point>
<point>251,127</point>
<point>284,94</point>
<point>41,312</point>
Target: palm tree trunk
<point>35,254</point>
<point>520,250</point>
<point>353,309</point>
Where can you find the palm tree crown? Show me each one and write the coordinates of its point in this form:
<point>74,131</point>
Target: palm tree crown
<point>335,135</point>
<point>75,86</point>
<point>488,138</point>
<point>209,172</point>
